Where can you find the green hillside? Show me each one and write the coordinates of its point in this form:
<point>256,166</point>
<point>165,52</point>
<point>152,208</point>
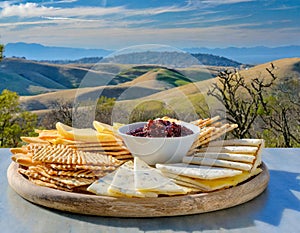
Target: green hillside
<point>30,78</point>
<point>151,80</point>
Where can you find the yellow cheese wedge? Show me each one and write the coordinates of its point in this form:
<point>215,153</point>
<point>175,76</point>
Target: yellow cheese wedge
<point>102,127</point>
<point>211,185</point>
<point>85,135</point>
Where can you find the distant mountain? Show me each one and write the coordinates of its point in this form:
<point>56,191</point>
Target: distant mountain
<point>245,55</point>
<point>253,55</point>
<point>171,59</point>
<point>40,52</point>
<point>213,60</point>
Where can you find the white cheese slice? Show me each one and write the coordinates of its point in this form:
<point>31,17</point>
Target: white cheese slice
<point>198,171</point>
<point>123,184</point>
<point>227,156</point>
<point>217,163</point>
<point>148,179</point>
<point>101,186</point>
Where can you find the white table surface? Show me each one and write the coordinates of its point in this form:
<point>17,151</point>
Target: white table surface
<point>277,209</point>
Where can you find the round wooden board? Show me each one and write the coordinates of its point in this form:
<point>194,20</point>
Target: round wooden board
<point>137,207</point>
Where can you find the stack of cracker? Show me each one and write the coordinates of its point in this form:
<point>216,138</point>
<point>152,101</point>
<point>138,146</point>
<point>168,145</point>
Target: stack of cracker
<point>62,167</point>
<point>222,164</point>
<point>102,140</point>
<point>210,129</point>
<point>68,158</point>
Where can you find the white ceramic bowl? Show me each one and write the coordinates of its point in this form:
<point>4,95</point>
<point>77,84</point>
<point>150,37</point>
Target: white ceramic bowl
<point>158,149</point>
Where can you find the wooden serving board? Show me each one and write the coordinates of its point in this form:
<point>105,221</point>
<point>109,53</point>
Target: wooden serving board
<point>137,207</point>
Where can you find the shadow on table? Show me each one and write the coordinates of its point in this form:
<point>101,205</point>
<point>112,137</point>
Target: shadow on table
<point>262,208</point>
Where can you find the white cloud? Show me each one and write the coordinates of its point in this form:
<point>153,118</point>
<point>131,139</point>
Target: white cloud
<point>284,8</point>
<point>25,10</point>
<point>29,10</point>
<point>219,2</point>
<point>208,3</point>
<point>115,27</point>
<point>116,38</point>
<point>6,3</point>
<point>97,17</point>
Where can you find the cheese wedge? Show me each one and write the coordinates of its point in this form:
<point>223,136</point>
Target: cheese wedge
<point>148,179</point>
<point>123,184</point>
<point>197,171</point>
<point>212,185</point>
<point>101,186</point>
<point>102,127</point>
<point>85,135</point>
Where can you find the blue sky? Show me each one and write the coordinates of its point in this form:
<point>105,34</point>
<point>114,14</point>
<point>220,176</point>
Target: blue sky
<point>118,24</point>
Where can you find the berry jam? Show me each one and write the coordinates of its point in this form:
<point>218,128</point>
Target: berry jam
<point>161,128</point>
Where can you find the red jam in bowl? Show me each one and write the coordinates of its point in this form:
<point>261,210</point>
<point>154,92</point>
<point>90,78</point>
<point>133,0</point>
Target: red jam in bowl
<point>161,128</point>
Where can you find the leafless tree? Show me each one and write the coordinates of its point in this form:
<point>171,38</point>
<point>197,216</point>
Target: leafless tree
<point>243,101</point>
<point>283,115</point>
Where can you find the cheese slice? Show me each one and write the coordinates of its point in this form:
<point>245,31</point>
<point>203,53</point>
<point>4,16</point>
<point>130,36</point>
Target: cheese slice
<point>85,134</point>
<point>217,163</point>
<point>148,179</point>
<point>212,185</point>
<point>227,156</point>
<point>101,186</point>
<point>123,184</point>
<point>198,171</point>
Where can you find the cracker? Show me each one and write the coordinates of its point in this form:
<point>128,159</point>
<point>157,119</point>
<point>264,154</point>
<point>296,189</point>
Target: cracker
<point>75,167</point>
<point>39,179</point>
<point>22,150</point>
<point>24,160</point>
<point>205,122</point>
<point>64,155</point>
<point>230,149</point>
<point>69,181</point>
<point>48,134</point>
<point>34,140</point>
<point>118,153</point>
<point>237,142</point>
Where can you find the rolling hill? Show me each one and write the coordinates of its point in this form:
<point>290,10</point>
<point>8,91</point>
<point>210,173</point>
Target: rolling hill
<point>134,83</point>
<point>30,77</point>
<point>185,99</point>
<point>288,68</point>
<point>142,84</point>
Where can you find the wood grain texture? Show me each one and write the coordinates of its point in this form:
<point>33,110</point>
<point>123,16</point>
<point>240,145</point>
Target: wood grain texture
<point>137,207</point>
